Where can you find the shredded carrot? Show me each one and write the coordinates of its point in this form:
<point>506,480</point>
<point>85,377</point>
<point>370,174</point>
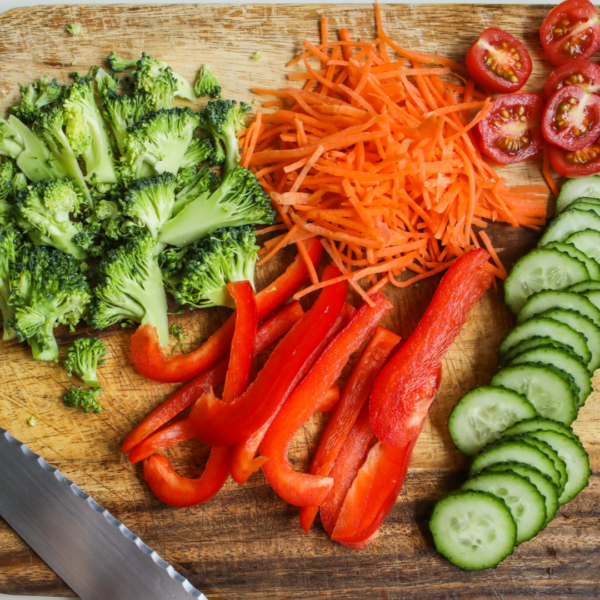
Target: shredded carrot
<point>546,172</point>
<point>376,156</point>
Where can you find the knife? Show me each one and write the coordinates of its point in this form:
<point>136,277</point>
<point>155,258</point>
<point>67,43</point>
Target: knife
<point>96,555</point>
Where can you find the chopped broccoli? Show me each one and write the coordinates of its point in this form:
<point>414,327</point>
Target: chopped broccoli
<point>10,242</point>
<point>86,399</point>
<point>19,183</point>
<point>158,142</point>
<point>223,119</point>
<point>8,170</point>
<point>202,181</point>
<point>198,151</point>
<point>83,357</point>
<point>256,56</point>
<point>86,131</point>
<point>225,256</point>
<point>207,84</point>
<point>177,331</point>
<point>31,422</point>
<point>105,82</point>
<point>73,28</point>
<point>129,287</point>
<point>34,97</point>
<point>43,210</point>
<point>239,200</point>
<point>48,289</point>
<point>149,202</point>
<point>119,64</point>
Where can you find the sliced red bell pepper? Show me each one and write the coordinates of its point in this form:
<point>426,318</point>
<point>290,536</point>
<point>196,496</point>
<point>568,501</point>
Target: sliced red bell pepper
<point>303,489</point>
<point>239,370</point>
<point>147,353</point>
<point>220,424</point>
<point>174,434</point>
<point>268,332</point>
<point>355,396</point>
<point>403,391</point>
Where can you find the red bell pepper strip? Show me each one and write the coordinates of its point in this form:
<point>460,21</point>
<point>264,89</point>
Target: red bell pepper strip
<point>329,401</point>
<point>239,370</point>
<point>147,353</point>
<point>220,424</point>
<point>355,396</point>
<point>403,391</point>
<point>270,331</point>
<point>303,489</point>
<point>244,461</point>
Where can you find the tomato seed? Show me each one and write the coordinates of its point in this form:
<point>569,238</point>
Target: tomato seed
<point>581,157</point>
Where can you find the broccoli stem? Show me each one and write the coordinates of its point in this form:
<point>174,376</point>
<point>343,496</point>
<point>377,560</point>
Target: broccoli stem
<point>153,297</point>
<point>61,240</point>
<point>47,351</point>
<point>8,312</point>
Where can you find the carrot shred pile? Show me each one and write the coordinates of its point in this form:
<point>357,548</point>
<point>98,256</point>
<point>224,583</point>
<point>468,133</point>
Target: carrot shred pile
<point>376,155</point>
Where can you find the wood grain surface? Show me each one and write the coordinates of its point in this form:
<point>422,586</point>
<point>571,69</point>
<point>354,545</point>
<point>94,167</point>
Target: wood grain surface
<point>247,543</point>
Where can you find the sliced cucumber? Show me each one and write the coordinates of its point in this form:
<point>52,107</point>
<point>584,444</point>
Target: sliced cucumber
<point>585,327</point>
<point>542,482</point>
<point>541,424</point>
<point>543,326</point>
<point>585,286</point>
<point>542,269</point>
<point>591,265</point>
<point>571,221</point>
<point>573,189</point>
<point>518,450</point>
<point>483,414</point>
<point>551,391</point>
<point>537,341</point>
<point>575,458</point>
<point>587,241</point>
<point>544,301</point>
<point>525,503</point>
<point>473,530</point>
<point>565,361</point>
<point>593,296</point>
<point>586,204</point>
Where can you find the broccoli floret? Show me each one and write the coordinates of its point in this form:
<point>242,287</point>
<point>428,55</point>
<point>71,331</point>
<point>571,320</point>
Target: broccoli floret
<point>119,64</point>
<point>223,119</point>
<point>10,242</point>
<point>200,150</point>
<point>239,200</point>
<point>256,56</point>
<point>48,289</point>
<point>202,181</point>
<point>49,126</point>
<point>73,28</point>
<point>225,256</point>
<point>105,82</point>
<point>130,288</point>
<point>43,210</point>
<point>86,399</point>
<point>158,142</point>
<point>8,170</point>
<point>84,357</point>
<point>121,112</point>
<point>87,133</point>
<point>34,97</point>
<point>19,183</point>
<point>207,84</point>
<point>149,202</point>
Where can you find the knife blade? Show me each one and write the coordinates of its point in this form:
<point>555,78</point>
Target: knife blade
<point>94,553</point>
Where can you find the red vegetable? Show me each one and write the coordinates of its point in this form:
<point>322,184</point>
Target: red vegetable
<point>571,118</point>
<point>575,163</point>
<point>147,353</point>
<point>220,424</point>
<point>571,30</point>
<point>303,489</point>
<point>499,62</point>
<point>174,434</point>
<point>579,72</point>
<point>270,331</point>
<point>511,131</point>
<point>403,391</point>
<point>356,394</point>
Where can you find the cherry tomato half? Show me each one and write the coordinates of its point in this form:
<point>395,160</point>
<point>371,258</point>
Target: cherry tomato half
<point>498,61</point>
<point>571,118</point>
<point>512,130</point>
<point>579,72</point>
<point>571,30</point>
<point>575,163</point>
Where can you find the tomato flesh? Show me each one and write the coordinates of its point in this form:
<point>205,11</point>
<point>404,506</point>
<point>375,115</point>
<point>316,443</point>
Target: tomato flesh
<point>499,62</point>
<point>511,131</point>
<point>571,30</point>
<point>575,163</point>
<point>580,72</point>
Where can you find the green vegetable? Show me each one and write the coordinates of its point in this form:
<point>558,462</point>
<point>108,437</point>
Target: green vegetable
<point>105,82</point>
<point>31,422</point>
<point>196,184</point>
<point>177,331</point>
<point>83,358</point>
<point>74,29</point>
<point>86,399</point>
<point>34,97</point>
<point>10,242</point>
<point>207,84</point>
<point>120,64</point>
<point>200,150</point>
<point>256,56</point>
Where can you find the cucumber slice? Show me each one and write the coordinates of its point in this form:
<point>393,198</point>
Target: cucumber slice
<point>483,414</point>
<point>542,269</point>
<point>587,241</point>
<point>473,530</point>
<point>585,327</point>
<point>551,391</point>
<point>565,361</point>
<point>585,204</point>
<point>593,296</point>
<point>544,301</point>
<point>591,265</point>
<point>515,449</point>
<point>573,189</point>
<point>571,221</point>
<point>541,424</point>
<point>575,458</point>
<point>525,503</point>
<point>543,326</point>
<point>585,286</point>
<point>542,482</point>
<point>537,341</point>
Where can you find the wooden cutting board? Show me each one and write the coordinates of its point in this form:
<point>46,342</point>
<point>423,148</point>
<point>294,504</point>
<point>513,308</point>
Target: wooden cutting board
<point>247,543</point>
